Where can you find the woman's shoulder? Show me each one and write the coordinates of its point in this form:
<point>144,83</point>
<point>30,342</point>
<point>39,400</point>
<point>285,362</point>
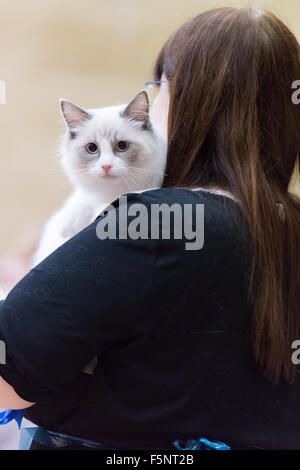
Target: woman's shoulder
<point>220,211</point>
<point>218,205</point>
<point>180,196</point>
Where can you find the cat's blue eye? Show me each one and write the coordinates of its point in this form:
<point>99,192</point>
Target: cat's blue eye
<point>122,146</point>
<point>91,148</point>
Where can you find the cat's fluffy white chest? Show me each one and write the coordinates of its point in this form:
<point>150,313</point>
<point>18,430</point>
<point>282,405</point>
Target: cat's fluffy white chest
<point>78,211</point>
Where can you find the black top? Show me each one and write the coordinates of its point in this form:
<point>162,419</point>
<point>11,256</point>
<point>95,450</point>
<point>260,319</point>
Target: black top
<point>170,328</point>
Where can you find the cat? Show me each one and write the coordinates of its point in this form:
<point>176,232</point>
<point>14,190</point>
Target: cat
<point>105,152</point>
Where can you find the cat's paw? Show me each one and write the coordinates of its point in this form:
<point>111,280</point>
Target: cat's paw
<point>76,224</point>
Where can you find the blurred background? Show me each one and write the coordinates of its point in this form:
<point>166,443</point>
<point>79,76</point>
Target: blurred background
<point>92,52</point>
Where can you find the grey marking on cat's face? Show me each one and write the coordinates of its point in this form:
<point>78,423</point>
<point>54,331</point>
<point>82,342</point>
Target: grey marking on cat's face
<point>133,156</point>
<point>148,127</point>
<point>72,135</point>
<point>130,155</point>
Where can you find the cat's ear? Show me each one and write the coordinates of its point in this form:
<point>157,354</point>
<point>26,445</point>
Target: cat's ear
<point>138,108</point>
<point>74,115</point>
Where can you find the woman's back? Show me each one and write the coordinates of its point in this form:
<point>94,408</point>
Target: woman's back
<point>174,358</point>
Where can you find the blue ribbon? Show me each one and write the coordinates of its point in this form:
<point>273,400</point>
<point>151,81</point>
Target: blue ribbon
<point>26,438</point>
<point>191,444</point>
<point>200,444</point>
<point>10,415</point>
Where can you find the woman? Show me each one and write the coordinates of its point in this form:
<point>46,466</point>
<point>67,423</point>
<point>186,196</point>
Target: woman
<point>189,343</point>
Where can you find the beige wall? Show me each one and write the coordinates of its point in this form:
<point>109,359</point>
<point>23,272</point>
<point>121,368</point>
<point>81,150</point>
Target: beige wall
<point>93,52</point>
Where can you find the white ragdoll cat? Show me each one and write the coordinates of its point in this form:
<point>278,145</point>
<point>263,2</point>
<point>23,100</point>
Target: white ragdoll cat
<point>106,152</point>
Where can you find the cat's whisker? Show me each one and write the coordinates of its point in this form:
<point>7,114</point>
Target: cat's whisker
<point>134,179</point>
<point>146,171</point>
<point>139,175</point>
<point>125,180</point>
<point>65,183</point>
<point>138,179</point>
<point>58,171</point>
<point>51,172</point>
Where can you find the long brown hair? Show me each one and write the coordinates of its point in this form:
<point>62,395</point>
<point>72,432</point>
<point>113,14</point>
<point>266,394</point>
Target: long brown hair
<point>232,124</point>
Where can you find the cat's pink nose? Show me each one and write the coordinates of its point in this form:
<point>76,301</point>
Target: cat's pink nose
<point>106,168</point>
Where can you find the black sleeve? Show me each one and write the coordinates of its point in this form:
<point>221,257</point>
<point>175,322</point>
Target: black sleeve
<point>69,308</point>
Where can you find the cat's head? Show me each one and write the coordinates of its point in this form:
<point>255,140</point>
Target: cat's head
<point>113,145</point>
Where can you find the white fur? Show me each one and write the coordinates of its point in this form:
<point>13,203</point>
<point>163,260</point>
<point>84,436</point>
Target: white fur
<point>2,294</point>
<point>93,188</point>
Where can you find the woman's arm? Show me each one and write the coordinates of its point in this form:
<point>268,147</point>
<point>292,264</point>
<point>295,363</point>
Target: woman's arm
<point>9,399</point>
<point>83,298</point>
